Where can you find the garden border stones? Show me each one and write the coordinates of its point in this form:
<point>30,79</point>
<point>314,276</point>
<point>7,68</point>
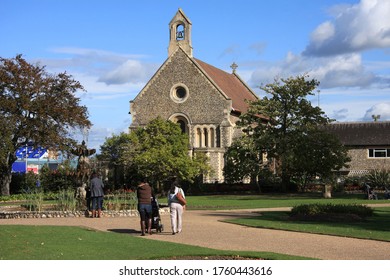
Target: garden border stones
<point>69,214</point>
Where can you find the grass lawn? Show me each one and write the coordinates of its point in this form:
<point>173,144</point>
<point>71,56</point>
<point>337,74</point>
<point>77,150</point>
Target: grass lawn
<point>73,243</point>
<point>272,200</point>
<point>376,227</point>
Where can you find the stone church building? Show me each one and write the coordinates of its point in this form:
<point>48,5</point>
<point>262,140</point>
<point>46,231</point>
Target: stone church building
<point>204,100</point>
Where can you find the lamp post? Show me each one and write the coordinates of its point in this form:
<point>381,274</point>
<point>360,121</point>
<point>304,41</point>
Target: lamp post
<point>29,115</point>
<point>26,157</point>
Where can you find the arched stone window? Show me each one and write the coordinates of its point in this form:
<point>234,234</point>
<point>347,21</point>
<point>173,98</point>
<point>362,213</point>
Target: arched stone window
<point>182,125</point>
<point>182,121</point>
<point>206,137</point>
<point>198,137</point>
<point>212,137</point>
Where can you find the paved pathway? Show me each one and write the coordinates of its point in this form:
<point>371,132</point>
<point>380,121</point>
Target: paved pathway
<point>204,228</point>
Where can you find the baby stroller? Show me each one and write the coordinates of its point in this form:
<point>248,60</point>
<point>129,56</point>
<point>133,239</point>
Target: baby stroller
<point>156,220</point>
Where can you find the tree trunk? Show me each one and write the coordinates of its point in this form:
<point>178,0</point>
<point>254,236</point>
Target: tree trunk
<point>158,186</point>
<point>5,181</point>
<point>285,182</point>
<point>255,182</point>
<point>6,174</point>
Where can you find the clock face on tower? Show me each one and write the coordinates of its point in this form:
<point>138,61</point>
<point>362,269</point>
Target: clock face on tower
<point>180,32</point>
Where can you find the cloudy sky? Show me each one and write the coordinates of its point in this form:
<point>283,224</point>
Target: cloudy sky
<point>114,47</point>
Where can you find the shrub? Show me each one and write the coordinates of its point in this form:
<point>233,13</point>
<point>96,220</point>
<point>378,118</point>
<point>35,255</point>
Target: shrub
<point>378,178</point>
<point>33,199</point>
<point>313,210</point>
<point>120,200</point>
<point>67,200</point>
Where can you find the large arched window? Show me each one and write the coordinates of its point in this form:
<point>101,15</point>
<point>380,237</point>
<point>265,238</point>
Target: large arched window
<point>182,121</point>
<point>182,125</point>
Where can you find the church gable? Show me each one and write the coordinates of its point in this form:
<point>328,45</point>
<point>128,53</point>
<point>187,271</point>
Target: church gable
<point>204,100</point>
<point>179,86</point>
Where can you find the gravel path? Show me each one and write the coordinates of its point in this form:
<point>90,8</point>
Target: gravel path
<point>204,228</point>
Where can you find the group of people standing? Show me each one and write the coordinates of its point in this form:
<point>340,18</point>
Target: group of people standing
<point>176,203</point>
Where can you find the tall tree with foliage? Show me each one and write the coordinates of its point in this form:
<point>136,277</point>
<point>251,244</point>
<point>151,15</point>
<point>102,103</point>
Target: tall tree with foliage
<point>35,106</point>
<point>293,136</point>
<point>159,151</point>
<point>111,152</point>
<point>244,160</point>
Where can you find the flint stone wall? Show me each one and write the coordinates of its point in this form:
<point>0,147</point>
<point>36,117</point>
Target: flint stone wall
<point>69,214</point>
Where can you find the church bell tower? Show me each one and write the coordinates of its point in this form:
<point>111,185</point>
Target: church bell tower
<point>180,33</point>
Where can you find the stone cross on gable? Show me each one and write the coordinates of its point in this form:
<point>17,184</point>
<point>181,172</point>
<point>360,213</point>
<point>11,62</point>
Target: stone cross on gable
<point>234,66</point>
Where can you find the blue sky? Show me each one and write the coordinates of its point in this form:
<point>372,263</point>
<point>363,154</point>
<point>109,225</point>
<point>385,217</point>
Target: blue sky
<point>114,47</point>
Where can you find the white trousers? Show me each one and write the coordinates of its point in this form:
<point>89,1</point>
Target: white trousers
<point>176,217</point>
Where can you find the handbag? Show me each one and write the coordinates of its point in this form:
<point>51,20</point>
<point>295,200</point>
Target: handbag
<point>180,198</point>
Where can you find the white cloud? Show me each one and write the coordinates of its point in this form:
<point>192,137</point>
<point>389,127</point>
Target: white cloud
<point>258,47</point>
<point>382,109</point>
<point>354,104</point>
<point>231,50</point>
<point>107,67</point>
<point>323,32</point>
<point>337,71</point>
<point>129,71</point>
<point>96,136</point>
<point>357,27</point>
<point>340,114</point>
<point>110,79</point>
<point>342,71</point>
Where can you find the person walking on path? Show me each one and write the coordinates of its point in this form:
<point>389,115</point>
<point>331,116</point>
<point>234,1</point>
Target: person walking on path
<point>144,195</point>
<point>97,194</point>
<point>176,203</point>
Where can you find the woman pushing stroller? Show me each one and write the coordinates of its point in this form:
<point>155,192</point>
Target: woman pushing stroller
<point>144,195</point>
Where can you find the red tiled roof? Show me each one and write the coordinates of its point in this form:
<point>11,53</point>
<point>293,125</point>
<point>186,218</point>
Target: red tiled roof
<point>231,85</point>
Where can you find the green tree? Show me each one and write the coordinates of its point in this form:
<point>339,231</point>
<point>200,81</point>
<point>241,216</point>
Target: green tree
<point>35,106</point>
<point>317,153</point>
<point>159,151</point>
<point>111,152</point>
<point>293,135</point>
<point>244,160</point>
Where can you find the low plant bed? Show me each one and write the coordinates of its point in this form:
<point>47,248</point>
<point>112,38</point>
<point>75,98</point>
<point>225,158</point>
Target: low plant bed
<point>331,212</point>
<point>375,227</point>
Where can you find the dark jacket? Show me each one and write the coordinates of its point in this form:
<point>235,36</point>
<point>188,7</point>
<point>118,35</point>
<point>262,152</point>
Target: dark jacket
<point>144,194</point>
<point>97,187</point>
